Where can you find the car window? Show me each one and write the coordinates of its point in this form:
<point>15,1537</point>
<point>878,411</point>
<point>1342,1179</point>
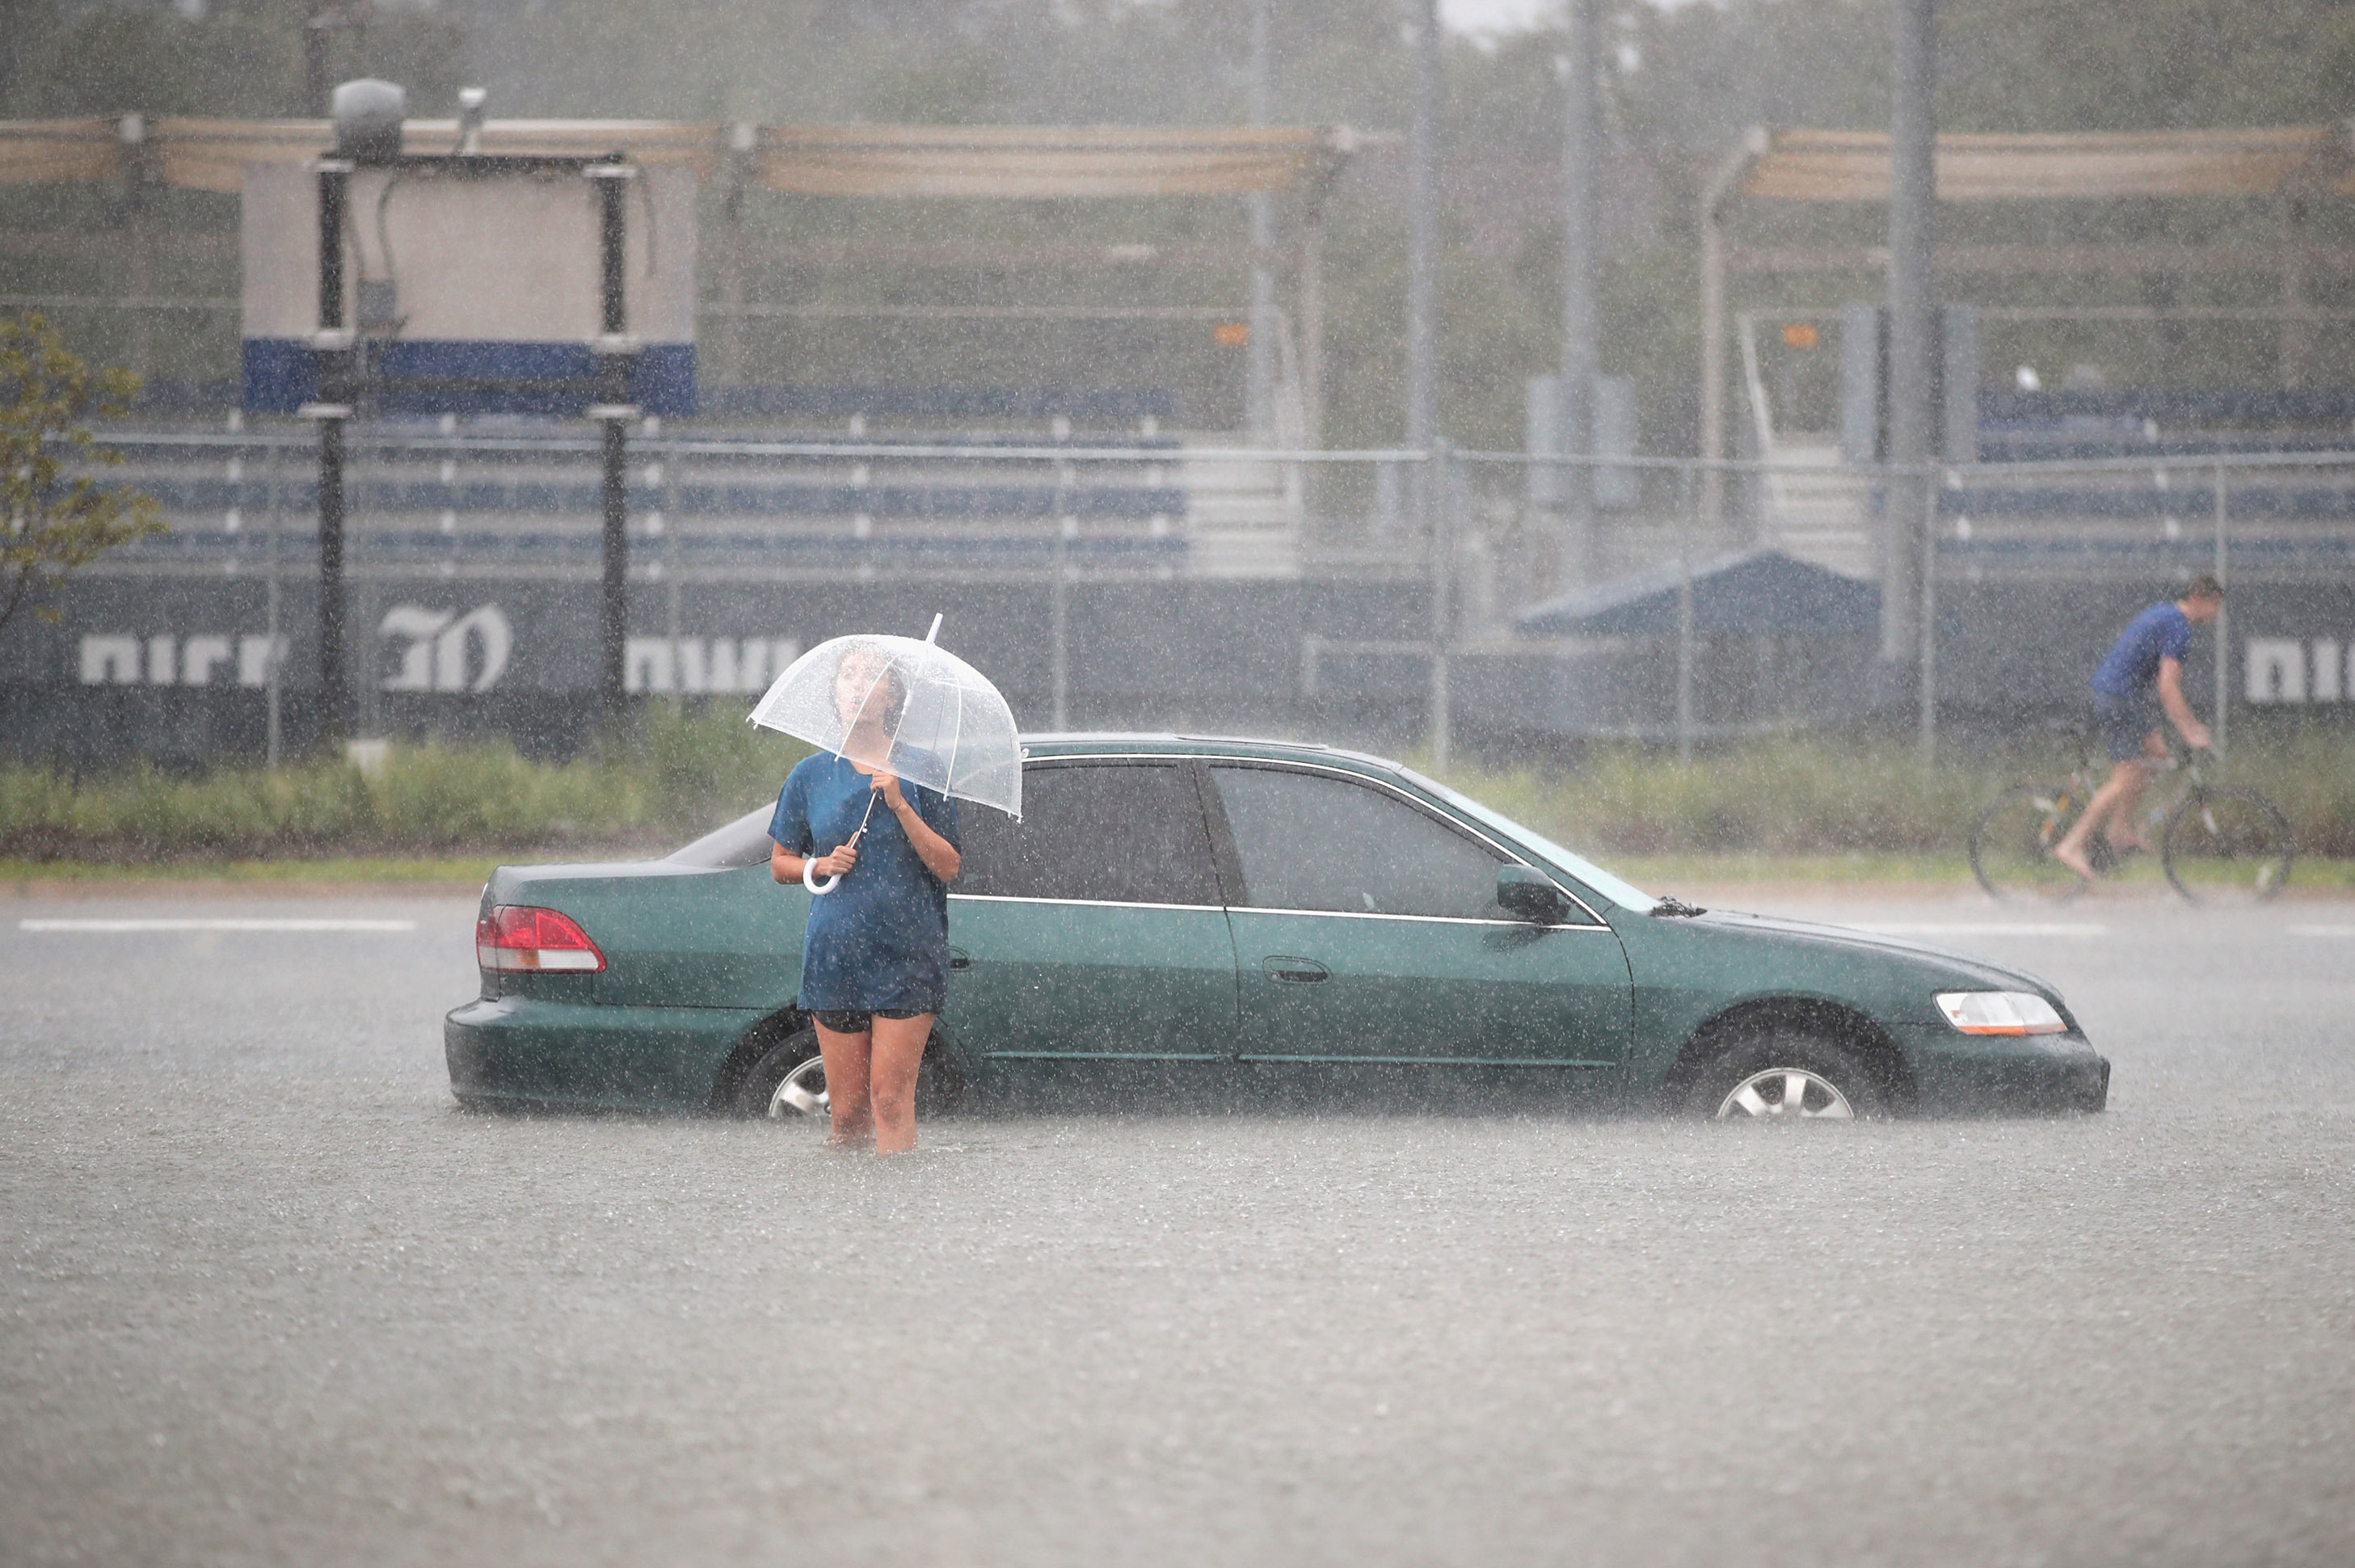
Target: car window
<point>744,842</point>
<point>1626,894</point>
<point>1119,833</point>
<point>1312,841</point>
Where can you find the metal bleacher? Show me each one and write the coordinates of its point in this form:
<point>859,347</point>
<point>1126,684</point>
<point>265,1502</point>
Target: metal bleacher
<point>2101,481</point>
<point>770,481</point>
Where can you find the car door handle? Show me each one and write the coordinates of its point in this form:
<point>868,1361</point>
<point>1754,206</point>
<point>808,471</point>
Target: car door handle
<point>1293,971</point>
<point>960,959</point>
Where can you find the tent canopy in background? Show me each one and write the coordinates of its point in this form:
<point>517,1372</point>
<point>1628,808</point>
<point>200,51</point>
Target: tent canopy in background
<point>1762,593</point>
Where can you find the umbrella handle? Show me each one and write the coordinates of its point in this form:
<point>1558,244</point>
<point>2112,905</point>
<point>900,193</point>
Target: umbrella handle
<point>810,865</point>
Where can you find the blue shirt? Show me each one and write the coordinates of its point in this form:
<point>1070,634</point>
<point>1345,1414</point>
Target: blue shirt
<point>2161,632</point>
<point>881,939</point>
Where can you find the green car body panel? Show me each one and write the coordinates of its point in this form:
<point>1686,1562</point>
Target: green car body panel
<point>1610,1003</point>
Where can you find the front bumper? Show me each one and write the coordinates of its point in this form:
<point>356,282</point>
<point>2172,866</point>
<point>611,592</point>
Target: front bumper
<point>1956,1074</point>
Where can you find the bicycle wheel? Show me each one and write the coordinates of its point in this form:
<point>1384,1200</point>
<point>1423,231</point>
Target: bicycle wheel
<point>2228,847</point>
<point>2011,843</point>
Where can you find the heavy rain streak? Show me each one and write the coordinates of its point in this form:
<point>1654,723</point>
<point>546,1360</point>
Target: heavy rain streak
<point>1034,781</point>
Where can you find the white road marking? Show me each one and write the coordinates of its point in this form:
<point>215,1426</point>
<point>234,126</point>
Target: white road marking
<point>1982,928</point>
<point>269,924</point>
<point>2322,931</point>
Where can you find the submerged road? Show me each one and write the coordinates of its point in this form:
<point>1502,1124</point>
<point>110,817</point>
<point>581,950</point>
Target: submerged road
<point>266,1295</point>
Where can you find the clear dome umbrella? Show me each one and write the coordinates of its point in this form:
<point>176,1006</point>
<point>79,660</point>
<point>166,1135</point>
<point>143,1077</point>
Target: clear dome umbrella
<point>906,707</point>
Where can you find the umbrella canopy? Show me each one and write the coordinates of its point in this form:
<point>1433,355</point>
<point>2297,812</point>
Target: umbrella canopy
<point>909,708</point>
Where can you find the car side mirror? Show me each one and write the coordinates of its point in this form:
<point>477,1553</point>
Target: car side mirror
<point>1526,895</point>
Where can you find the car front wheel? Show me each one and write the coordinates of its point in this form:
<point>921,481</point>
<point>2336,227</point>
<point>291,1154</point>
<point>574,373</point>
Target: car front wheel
<point>1785,1076</point>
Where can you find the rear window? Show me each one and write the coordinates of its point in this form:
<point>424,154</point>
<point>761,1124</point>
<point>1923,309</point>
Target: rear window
<point>744,842</point>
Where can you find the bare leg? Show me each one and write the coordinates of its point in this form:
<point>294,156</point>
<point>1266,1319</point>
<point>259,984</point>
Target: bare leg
<point>846,1058</point>
<point>899,1054</point>
<point>2123,833</point>
<point>2124,782</point>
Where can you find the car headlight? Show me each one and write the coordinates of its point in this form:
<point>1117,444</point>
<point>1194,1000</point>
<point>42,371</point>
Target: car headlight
<point>2000,1012</point>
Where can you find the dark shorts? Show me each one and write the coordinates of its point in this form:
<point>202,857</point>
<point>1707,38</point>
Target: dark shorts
<point>2126,722</point>
<point>846,1022</point>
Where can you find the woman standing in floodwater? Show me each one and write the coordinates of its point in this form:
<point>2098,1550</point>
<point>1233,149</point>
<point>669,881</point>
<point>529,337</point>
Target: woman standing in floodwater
<point>875,961</point>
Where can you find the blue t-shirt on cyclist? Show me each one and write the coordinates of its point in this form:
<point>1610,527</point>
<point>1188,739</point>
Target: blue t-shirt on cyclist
<point>2127,702</point>
<point>2131,671</point>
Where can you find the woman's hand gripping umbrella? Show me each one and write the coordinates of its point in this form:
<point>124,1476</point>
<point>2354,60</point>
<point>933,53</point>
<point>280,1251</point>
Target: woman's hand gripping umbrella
<point>903,710</point>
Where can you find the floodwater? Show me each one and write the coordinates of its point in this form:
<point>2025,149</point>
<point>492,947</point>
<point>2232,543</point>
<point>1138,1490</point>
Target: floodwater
<point>266,1295</point>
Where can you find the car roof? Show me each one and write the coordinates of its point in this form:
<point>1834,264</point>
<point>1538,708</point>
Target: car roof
<point>1085,743</point>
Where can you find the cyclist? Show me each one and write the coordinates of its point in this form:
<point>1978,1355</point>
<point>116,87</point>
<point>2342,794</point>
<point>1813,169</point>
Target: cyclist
<point>2148,658</point>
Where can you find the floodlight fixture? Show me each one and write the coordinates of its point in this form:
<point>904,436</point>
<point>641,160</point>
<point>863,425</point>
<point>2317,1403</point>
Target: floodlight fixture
<point>367,115</point>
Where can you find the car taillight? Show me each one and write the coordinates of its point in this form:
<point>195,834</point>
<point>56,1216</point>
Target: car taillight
<point>516,936</point>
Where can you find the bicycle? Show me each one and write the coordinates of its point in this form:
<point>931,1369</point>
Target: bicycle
<point>2219,846</point>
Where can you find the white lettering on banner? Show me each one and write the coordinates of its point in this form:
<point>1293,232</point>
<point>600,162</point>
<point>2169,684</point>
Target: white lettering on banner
<point>419,624</point>
<point>115,660</point>
<point>109,661</point>
<point>199,657</point>
<point>2283,669</point>
<point>646,664</point>
<point>2276,669</point>
<point>720,674</point>
<point>436,650</point>
<point>442,644</point>
<point>720,664</point>
<point>255,657</point>
<point>2326,686</point>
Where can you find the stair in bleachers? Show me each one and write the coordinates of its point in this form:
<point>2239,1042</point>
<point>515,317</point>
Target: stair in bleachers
<point>1242,517</point>
<point>1818,509</point>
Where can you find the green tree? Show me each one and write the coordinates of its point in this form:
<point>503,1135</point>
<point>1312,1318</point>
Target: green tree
<point>57,521</point>
<point>239,59</point>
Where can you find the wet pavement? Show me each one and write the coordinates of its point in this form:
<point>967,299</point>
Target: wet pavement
<point>266,1295</point>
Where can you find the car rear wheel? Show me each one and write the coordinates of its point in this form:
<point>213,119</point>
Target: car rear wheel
<point>1785,1076</point>
<point>788,1083</point>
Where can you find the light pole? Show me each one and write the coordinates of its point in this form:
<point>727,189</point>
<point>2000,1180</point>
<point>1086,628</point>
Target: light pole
<point>1912,325</point>
<point>1423,235</point>
<point>1579,363</point>
<point>1260,349</point>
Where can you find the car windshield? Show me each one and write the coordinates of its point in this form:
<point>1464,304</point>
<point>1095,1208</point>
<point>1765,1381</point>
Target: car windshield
<point>1625,894</point>
<point>744,842</point>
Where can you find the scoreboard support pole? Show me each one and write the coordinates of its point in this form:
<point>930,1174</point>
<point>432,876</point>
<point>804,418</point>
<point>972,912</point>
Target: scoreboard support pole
<point>333,372</point>
<point>616,355</point>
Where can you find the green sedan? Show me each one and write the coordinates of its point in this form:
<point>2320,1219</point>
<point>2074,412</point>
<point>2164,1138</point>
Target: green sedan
<point>1180,919</point>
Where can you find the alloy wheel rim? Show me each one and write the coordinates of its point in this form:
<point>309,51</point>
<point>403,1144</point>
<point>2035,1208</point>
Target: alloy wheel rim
<point>1788,1094</point>
<point>801,1093</point>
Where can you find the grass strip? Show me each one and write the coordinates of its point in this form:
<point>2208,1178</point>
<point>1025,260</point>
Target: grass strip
<point>1857,809</point>
<point>1668,873</point>
<point>345,869</point>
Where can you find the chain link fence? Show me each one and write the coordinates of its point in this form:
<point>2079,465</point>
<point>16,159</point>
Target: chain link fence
<point>1411,583</point>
